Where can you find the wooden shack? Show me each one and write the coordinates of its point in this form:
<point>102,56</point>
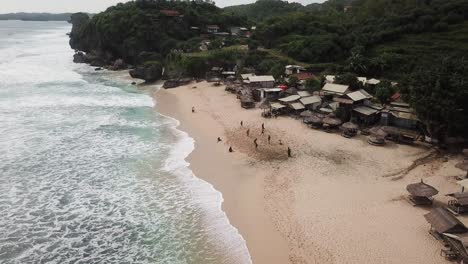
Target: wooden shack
<point>442,221</point>
<point>459,203</point>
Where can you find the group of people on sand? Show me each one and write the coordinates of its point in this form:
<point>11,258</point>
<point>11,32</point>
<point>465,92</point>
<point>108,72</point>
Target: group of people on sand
<point>255,140</point>
<point>268,138</point>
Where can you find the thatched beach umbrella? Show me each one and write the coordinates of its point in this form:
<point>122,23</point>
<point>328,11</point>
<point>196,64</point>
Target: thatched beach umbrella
<point>332,121</point>
<point>350,126</point>
<point>421,189</point>
<point>349,129</point>
<point>314,121</point>
<point>307,113</point>
<point>377,132</point>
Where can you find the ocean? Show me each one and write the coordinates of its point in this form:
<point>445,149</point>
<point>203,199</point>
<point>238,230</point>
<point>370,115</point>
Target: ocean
<point>89,171</point>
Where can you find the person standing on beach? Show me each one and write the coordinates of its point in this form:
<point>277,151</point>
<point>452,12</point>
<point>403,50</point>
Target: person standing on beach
<point>242,123</point>
<point>289,152</point>
<point>269,139</point>
<point>263,126</point>
<point>193,109</point>
<point>256,144</point>
<point>248,132</point>
<point>230,149</point>
<point>219,139</point>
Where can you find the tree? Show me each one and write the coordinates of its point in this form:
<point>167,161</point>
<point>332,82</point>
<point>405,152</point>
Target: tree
<point>439,94</point>
<point>384,90</point>
<point>312,84</point>
<point>253,45</point>
<point>293,81</point>
<point>349,79</point>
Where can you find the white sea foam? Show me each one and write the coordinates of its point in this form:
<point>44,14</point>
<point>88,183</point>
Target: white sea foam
<point>89,172</point>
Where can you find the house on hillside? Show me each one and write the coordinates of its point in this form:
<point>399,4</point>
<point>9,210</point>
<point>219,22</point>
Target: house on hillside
<point>261,81</point>
<point>372,82</point>
<point>330,78</point>
<point>239,31</point>
<point>334,89</point>
<point>366,114</point>
<point>170,13</point>
<point>353,98</point>
<point>212,29</point>
<point>311,102</point>
<point>400,115</point>
<point>293,69</point>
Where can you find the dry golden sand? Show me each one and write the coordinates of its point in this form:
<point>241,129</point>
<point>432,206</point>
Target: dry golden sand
<point>333,202</point>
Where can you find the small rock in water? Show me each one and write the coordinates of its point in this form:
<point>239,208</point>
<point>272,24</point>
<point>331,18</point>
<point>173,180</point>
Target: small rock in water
<point>133,83</point>
<point>98,69</point>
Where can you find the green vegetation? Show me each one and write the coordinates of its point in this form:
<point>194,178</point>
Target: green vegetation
<point>406,41</point>
<point>126,30</point>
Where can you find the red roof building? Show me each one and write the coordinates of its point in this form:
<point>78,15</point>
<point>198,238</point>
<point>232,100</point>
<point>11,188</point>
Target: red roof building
<point>170,13</point>
<point>302,76</point>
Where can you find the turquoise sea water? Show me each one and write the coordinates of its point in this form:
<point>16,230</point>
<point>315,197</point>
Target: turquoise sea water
<point>89,172</point>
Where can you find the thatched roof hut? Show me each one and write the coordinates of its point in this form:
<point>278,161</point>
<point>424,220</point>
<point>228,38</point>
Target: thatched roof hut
<point>442,221</point>
<point>332,121</point>
<point>377,132</point>
<point>421,189</point>
<point>314,120</point>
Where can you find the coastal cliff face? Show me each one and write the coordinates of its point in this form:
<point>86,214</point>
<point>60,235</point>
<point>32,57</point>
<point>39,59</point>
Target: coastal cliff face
<point>139,32</point>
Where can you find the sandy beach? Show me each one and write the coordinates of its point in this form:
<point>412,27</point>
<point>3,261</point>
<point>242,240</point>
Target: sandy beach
<point>336,200</point>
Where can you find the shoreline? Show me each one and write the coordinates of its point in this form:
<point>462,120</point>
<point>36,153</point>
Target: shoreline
<point>282,207</point>
<point>269,247</point>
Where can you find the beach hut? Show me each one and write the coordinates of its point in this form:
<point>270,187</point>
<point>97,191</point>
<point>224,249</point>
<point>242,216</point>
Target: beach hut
<point>330,122</point>
<point>277,108</point>
<point>247,102</point>
<point>421,193</point>
<point>311,102</point>
<point>335,89</point>
<point>456,248</point>
<point>349,129</point>
<point>442,221</point>
<point>459,203</point>
<point>262,81</point>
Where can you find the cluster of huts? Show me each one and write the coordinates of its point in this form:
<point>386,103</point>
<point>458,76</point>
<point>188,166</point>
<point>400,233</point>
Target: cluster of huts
<point>326,108</point>
<point>445,226</point>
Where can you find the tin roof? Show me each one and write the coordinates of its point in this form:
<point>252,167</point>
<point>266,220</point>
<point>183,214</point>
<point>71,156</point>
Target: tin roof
<point>365,110</point>
<point>373,81</point>
<point>310,100</point>
<point>297,106</point>
<point>303,93</point>
<point>261,78</point>
<point>277,106</point>
<point>359,95</point>
<point>289,99</point>
<point>332,88</point>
